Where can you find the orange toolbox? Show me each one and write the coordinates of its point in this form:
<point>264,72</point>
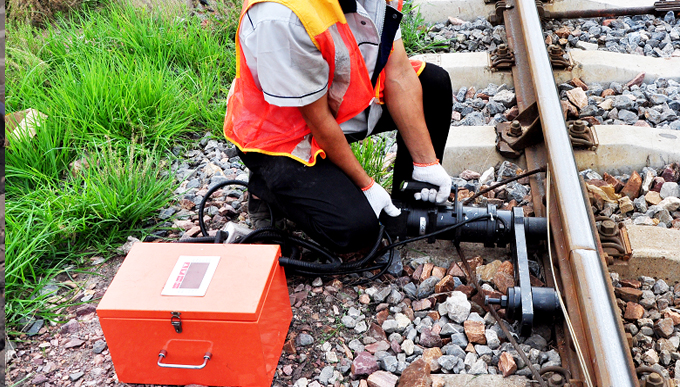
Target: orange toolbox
<point>210,314</point>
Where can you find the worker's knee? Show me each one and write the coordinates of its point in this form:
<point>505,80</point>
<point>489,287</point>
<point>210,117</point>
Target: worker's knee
<point>436,81</point>
<point>435,76</point>
<point>351,231</point>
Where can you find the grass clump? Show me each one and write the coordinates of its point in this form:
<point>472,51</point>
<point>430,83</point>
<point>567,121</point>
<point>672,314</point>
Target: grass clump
<point>120,87</point>
<point>122,73</point>
<point>110,195</point>
<point>414,32</point>
<point>40,12</point>
<point>371,155</point>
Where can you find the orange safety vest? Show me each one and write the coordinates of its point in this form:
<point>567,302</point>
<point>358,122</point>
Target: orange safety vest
<point>254,125</point>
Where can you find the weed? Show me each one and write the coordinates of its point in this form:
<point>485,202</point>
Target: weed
<point>49,227</point>
<point>414,32</point>
<point>122,73</point>
<point>38,162</point>
<point>119,89</point>
<point>121,186</point>
<point>40,12</point>
<point>21,382</point>
<point>371,155</point>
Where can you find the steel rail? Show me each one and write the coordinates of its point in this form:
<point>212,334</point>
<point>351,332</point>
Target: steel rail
<point>609,354</point>
<point>535,158</point>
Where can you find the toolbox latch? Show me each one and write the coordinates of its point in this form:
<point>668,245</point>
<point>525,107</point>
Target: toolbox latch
<point>176,321</point>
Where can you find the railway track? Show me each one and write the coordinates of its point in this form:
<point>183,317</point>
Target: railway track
<point>592,340</point>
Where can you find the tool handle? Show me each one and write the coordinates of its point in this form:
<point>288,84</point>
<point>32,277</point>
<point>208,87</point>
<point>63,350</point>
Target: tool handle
<point>164,353</point>
<point>415,186</point>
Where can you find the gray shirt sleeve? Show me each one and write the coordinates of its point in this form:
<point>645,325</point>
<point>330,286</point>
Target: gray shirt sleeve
<point>284,62</point>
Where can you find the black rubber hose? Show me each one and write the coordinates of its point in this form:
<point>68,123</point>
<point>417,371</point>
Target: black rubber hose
<point>221,236</point>
<point>371,255</point>
<point>273,235</point>
<point>206,239</point>
<point>391,247</point>
<point>317,248</point>
<point>321,268</point>
<point>342,269</point>
<point>266,233</point>
<point>212,190</point>
<point>425,236</point>
<point>335,267</point>
<point>201,206</point>
<point>269,231</point>
<point>387,265</point>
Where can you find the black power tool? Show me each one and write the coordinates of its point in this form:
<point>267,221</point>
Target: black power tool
<point>493,228</point>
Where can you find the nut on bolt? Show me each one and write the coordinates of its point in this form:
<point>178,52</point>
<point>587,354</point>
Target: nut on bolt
<point>556,380</point>
<point>503,50</point>
<point>515,129</point>
<point>578,126</point>
<point>608,228</point>
<point>555,50</point>
<point>654,380</point>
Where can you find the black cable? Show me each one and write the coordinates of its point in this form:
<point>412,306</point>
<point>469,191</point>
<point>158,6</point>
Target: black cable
<point>221,236</point>
<point>267,233</point>
<point>212,190</point>
<point>390,248</point>
<point>505,226</point>
<point>334,268</point>
<point>502,183</point>
<point>387,265</point>
<point>371,254</point>
<point>205,239</point>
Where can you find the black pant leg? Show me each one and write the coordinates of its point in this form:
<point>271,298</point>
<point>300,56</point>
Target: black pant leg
<point>437,107</point>
<point>320,199</point>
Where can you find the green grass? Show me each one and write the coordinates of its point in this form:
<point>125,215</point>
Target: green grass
<point>92,211</point>
<point>123,73</point>
<point>414,32</point>
<point>371,155</point>
<point>120,88</point>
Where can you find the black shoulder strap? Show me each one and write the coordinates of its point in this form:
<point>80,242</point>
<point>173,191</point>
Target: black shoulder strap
<point>348,6</point>
<point>392,20</point>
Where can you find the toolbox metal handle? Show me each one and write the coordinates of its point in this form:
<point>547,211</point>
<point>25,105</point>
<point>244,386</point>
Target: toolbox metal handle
<point>164,353</point>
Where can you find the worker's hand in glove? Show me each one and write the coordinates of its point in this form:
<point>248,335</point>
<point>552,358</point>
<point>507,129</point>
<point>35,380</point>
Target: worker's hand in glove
<point>435,174</point>
<point>380,200</point>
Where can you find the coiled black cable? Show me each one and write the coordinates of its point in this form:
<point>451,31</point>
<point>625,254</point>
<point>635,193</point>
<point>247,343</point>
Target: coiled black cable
<point>268,234</point>
<point>211,191</point>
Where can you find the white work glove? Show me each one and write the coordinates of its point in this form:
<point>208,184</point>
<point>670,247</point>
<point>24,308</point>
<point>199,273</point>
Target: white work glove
<point>434,174</point>
<point>380,200</point>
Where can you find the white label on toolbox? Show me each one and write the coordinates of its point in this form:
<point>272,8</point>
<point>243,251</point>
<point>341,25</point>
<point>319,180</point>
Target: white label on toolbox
<point>191,276</point>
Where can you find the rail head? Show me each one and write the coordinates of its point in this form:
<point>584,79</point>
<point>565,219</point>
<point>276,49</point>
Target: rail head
<point>609,355</point>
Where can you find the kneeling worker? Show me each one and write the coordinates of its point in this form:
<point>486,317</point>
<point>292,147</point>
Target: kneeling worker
<point>313,76</point>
